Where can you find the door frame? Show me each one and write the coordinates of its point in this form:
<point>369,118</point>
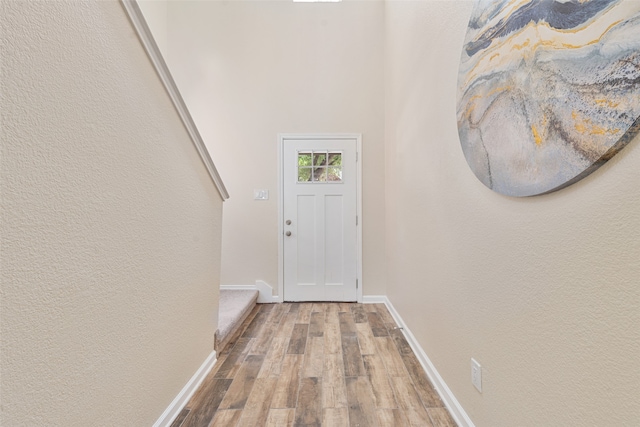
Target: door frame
<point>282,137</point>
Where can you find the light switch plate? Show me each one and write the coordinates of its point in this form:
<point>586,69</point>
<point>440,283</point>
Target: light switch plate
<point>476,374</point>
<point>260,194</point>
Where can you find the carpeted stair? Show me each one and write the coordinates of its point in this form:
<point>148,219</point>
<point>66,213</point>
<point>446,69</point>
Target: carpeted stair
<point>235,306</point>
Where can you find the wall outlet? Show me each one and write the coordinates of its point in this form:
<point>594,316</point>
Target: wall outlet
<point>476,375</point>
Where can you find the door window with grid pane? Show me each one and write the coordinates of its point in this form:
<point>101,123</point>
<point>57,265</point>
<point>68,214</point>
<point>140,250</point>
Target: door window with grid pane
<point>319,166</point>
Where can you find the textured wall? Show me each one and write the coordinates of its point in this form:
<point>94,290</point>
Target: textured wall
<point>110,225</point>
<point>249,70</point>
<point>542,291</point>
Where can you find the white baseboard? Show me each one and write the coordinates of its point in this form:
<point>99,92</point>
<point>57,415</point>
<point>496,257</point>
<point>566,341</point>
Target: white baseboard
<point>238,287</point>
<point>374,299</point>
<point>185,394</point>
<point>265,291</point>
<point>455,409</point>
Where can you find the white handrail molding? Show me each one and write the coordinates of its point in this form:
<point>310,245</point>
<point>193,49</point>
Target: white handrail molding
<point>153,52</point>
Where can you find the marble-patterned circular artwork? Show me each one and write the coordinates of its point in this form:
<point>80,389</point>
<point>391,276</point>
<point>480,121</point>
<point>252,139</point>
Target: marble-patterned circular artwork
<point>548,90</point>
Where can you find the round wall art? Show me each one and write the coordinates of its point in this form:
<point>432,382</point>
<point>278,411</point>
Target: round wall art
<point>548,90</point>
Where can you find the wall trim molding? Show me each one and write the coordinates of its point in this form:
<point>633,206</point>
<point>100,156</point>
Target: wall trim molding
<point>265,291</point>
<point>153,52</point>
<point>375,299</point>
<point>238,288</point>
<point>455,408</point>
<point>176,406</point>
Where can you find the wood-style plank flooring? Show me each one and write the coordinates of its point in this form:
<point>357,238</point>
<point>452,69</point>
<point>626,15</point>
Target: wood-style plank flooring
<point>317,364</point>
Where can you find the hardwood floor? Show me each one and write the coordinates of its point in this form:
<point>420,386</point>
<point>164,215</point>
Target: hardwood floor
<point>317,364</point>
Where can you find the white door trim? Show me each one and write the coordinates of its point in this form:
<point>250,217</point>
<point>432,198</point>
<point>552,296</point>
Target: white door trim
<point>298,136</point>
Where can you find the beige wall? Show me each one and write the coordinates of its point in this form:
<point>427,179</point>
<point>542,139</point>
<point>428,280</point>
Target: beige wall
<point>252,69</point>
<point>110,225</point>
<point>542,291</point>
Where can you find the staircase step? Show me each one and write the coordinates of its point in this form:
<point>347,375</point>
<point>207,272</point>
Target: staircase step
<point>235,306</point>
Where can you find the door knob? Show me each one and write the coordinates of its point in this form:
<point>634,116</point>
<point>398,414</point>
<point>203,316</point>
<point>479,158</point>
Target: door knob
<point>288,222</point>
<point>288,233</point>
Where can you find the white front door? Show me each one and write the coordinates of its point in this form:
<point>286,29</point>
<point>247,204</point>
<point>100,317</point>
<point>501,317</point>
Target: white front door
<point>319,215</point>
